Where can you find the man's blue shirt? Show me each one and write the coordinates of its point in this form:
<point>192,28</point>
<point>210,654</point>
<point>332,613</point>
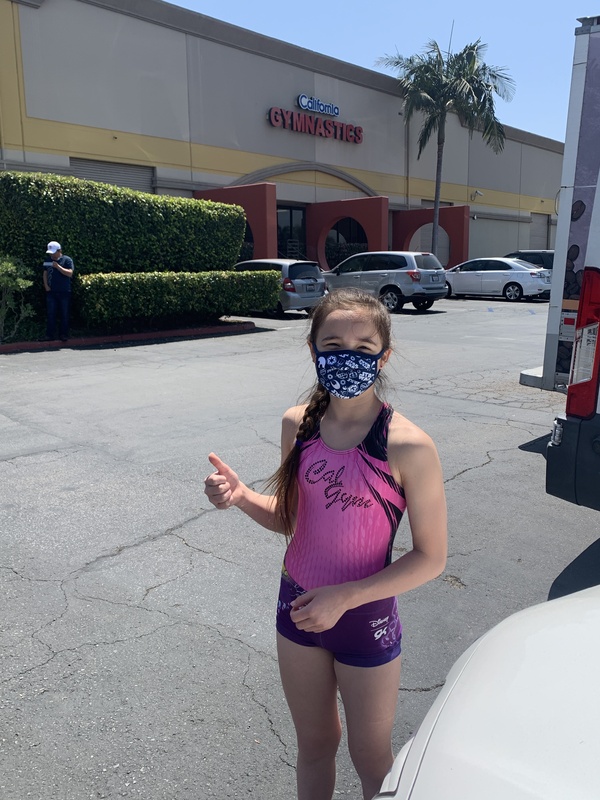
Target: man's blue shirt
<point>56,280</point>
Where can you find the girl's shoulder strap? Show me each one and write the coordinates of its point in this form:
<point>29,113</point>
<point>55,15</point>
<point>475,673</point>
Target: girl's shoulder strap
<point>375,442</point>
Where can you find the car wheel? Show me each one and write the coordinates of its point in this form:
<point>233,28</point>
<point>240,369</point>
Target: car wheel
<point>392,300</point>
<point>513,292</point>
<point>448,290</point>
<point>279,311</point>
<point>422,305</point>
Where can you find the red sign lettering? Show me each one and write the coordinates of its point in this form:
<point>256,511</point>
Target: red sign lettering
<point>275,117</point>
<point>300,122</point>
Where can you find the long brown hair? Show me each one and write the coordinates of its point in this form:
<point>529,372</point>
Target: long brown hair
<point>283,483</point>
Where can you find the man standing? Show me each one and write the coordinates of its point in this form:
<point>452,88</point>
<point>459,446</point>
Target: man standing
<point>58,272</point>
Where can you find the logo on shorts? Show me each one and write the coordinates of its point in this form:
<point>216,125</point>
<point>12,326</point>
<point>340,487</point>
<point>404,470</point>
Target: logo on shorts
<point>380,626</point>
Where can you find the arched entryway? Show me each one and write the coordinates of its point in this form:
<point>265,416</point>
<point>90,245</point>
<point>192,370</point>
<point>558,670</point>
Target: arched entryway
<point>453,219</point>
<point>345,238</point>
<point>370,213</point>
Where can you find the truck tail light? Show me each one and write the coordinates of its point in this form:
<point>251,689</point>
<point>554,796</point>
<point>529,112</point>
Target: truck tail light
<point>414,274</point>
<point>288,285</point>
<point>582,393</point>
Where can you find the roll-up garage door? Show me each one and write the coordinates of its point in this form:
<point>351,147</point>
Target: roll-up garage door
<point>538,232</point>
<point>131,176</point>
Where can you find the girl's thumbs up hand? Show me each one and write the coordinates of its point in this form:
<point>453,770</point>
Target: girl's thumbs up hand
<point>223,487</point>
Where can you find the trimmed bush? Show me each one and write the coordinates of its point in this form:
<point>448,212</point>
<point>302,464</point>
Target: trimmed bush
<point>109,229</point>
<point>116,300</point>
<point>14,310</point>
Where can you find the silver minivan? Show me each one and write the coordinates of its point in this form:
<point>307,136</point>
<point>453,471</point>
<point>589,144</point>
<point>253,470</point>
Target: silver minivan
<point>302,282</point>
<point>396,277</point>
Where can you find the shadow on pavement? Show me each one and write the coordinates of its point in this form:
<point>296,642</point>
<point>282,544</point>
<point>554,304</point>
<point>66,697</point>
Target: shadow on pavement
<point>582,573</point>
<point>538,445</point>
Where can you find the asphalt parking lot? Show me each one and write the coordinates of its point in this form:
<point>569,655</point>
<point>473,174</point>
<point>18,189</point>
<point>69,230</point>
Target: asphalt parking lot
<point>137,635</point>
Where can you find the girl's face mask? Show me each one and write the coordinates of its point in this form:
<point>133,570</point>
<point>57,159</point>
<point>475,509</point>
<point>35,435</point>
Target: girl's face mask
<point>346,373</point>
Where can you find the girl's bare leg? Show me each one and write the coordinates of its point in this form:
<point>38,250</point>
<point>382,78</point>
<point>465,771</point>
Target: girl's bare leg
<point>310,686</point>
<point>370,696</point>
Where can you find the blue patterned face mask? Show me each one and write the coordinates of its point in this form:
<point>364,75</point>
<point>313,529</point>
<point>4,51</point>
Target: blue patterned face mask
<point>346,373</point>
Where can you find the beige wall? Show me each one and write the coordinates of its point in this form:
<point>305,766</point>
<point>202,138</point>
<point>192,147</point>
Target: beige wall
<point>104,70</point>
<point>160,86</point>
<point>232,90</point>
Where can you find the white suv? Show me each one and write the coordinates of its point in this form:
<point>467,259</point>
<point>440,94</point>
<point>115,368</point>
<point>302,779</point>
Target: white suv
<point>395,277</point>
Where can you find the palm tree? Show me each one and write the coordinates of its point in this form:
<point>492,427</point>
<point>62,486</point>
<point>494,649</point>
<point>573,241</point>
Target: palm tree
<point>436,84</point>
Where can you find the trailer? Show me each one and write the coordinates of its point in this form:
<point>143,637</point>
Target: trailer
<point>572,353</point>
<point>578,226</point>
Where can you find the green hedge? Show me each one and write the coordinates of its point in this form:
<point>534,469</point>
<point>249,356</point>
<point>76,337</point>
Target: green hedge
<point>108,229</point>
<point>110,301</point>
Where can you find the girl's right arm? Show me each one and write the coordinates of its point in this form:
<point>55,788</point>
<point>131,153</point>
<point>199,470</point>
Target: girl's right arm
<point>224,488</point>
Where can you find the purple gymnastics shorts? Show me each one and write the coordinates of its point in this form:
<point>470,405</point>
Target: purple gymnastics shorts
<point>366,636</point>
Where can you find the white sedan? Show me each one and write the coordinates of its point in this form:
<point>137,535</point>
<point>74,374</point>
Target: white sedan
<point>519,715</point>
<point>504,277</point>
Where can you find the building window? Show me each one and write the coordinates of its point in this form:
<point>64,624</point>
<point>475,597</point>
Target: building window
<point>291,232</point>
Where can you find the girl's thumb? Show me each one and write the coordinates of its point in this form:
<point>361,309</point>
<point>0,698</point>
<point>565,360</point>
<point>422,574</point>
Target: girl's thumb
<point>219,465</point>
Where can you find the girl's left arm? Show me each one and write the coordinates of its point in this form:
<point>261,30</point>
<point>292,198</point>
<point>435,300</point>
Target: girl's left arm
<point>416,465</point>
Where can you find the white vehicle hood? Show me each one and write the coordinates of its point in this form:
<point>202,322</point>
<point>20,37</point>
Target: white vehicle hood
<point>519,715</point>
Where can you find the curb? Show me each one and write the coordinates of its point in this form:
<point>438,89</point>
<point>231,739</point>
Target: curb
<point>224,329</point>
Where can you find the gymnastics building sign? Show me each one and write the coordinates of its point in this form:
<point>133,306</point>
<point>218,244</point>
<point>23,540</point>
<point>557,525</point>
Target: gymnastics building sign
<point>311,123</point>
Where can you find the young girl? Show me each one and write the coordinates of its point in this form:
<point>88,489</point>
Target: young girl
<point>351,465</point>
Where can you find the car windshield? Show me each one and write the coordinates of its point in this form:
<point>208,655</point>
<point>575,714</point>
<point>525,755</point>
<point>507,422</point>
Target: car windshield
<point>427,261</point>
<point>297,271</point>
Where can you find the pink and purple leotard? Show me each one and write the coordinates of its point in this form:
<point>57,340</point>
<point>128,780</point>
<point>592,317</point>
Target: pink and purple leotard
<point>349,509</point>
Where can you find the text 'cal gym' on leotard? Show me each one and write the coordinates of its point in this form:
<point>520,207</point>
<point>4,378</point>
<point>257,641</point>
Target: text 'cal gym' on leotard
<point>349,508</point>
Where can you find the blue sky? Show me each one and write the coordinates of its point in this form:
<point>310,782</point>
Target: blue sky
<point>533,39</point>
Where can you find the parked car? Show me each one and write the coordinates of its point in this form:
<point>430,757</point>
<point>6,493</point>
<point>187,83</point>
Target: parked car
<point>395,277</point>
<point>302,282</point>
<point>507,277</point>
<point>541,258</point>
<point>517,718</point>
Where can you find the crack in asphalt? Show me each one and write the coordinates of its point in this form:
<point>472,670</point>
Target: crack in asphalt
<point>454,581</point>
<point>468,553</point>
<point>502,389</point>
<point>61,452</point>
<point>99,643</point>
<point>94,598</point>
<point>90,566</point>
<point>420,689</point>
<point>206,552</point>
<point>264,439</point>
<point>490,454</point>
<point>267,715</point>
<point>469,469</point>
<point>170,580</point>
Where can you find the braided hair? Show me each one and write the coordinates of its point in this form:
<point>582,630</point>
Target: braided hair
<point>284,482</point>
